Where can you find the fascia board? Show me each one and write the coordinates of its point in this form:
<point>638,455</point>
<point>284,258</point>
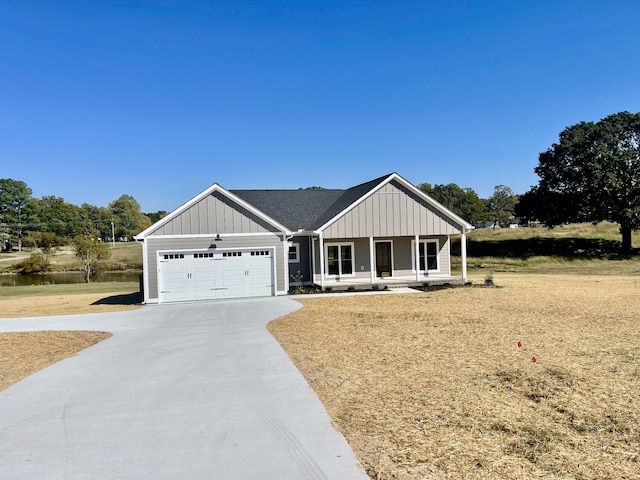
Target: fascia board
<point>394,176</point>
<point>213,188</point>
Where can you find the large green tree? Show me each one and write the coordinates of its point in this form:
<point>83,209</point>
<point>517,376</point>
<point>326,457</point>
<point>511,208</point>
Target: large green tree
<point>464,202</point>
<point>502,205</point>
<point>53,214</point>
<point>15,198</point>
<point>128,218</point>
<point>592,174</point>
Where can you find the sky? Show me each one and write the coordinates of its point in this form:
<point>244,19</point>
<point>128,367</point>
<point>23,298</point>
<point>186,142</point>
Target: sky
<point>161,99</point>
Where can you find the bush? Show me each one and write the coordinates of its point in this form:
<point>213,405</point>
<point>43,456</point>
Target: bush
<point>33,264</point>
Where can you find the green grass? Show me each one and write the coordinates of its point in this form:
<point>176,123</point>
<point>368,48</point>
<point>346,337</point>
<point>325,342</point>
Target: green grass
<point>576,249</point>
<point>69,289</point>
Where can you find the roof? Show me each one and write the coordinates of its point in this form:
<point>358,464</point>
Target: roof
<point>305,209</point>
<point>296,209</point>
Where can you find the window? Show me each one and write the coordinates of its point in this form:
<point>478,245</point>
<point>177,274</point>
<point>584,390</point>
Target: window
<point>427,255</point>
<point>294,253</point>
<point>339,259</point>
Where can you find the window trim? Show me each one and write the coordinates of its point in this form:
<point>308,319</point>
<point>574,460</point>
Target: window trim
<point>424,241</point>
<point>326,259</point>
<point>296,248</point>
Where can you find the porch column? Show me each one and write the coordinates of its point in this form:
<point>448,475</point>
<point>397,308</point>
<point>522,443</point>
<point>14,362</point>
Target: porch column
<point>463,252</point>
<point>416,255</point>
<point>371,262</point>
<point>312,248</point>
<point>321,246</point>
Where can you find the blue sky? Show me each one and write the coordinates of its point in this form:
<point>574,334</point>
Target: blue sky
<point>160,99</point>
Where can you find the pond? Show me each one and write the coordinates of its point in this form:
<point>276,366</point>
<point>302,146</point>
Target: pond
<point>61,278</point>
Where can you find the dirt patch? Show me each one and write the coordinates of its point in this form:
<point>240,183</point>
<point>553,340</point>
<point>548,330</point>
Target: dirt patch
<point>436,385</point>
<point>24,353</point>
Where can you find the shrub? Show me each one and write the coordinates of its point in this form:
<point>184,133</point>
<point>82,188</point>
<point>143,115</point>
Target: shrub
<point>375,286</point>
<point>33,264</point>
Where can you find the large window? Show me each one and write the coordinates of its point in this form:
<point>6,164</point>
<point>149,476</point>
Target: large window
<point>339,259</point>
<point>428,259</point>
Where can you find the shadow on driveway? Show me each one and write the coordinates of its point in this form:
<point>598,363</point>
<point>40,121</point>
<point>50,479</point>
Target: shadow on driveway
<point>124,299</point>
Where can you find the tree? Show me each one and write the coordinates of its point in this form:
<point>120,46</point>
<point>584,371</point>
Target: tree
<point>100,219</point>
<point>53,214</point>
<point>90,253</point>
<point>15,196</point>
<point>156,216</point>
<point>464,202</point>
<point>128,218</point>
<point>593,174</point>
<point>502,205</point>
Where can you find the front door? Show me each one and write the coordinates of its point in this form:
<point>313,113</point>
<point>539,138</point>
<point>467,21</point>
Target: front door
<point>383,259</point>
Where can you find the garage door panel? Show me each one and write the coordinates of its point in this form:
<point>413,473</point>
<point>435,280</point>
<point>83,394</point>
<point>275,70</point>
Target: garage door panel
<point>207,275</point>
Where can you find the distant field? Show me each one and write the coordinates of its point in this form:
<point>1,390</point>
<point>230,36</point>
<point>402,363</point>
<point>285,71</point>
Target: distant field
<point>124,256</point>
<point>576,249</point>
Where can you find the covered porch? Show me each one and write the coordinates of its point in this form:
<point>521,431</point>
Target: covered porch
<point>385,262</point>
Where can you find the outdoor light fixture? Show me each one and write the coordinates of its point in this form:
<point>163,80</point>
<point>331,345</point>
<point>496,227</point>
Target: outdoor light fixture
<point>218,239</point>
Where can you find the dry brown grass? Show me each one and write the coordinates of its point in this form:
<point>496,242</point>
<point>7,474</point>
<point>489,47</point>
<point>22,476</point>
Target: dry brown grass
<point>433,385</point>
<point>61,304</point>
<point>24,353</point>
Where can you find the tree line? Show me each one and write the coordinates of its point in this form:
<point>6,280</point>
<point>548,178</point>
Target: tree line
<point>592,174</point>
<point>50,220</point>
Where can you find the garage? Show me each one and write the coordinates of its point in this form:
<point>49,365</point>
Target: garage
<point>218,274</point>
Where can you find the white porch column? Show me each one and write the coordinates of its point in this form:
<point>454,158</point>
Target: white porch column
<point>312,248</point>
<point>321,246</point>
<point>371,262</point>
<point>463,252</point>
<point>416,255</point>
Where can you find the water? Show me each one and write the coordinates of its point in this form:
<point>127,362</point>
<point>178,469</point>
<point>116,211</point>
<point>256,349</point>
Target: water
<point>61,278</point>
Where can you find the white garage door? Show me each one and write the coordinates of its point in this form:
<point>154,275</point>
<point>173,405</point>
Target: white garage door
<point>205,275</point>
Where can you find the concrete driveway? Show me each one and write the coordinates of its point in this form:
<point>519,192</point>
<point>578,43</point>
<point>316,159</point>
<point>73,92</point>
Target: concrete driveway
<point>198,391</point>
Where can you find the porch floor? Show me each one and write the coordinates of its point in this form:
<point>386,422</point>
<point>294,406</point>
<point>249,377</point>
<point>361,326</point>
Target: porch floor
<point>395,282</point>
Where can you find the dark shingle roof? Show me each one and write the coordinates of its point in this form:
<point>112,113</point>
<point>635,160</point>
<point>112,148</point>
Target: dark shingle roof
<point>305,209</point>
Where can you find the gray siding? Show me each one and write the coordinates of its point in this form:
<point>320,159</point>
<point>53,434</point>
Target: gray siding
<point>214,214</point>
<point>304,266</point>
<point>392,211</point>
<point>402,256</point>
<point>200,243</point>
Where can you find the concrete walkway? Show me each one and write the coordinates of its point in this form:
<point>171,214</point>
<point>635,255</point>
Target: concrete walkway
<point>199,391</point>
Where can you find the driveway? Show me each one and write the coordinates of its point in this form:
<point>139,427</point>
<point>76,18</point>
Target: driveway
<point>198,391</point>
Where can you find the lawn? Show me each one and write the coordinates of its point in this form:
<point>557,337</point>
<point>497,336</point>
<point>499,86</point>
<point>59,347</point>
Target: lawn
<point>434,384</point>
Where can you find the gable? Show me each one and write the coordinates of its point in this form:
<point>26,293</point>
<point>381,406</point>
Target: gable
<point>212,213</point>
<point>393,210</point>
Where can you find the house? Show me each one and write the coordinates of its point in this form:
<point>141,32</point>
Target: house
<point>242,243</point>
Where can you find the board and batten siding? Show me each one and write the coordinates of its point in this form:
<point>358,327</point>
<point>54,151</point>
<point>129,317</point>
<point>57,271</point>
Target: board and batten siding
<point>402,256</point>
<point>392,211</point>
<point>203,243</point>
<point>215,213</point>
